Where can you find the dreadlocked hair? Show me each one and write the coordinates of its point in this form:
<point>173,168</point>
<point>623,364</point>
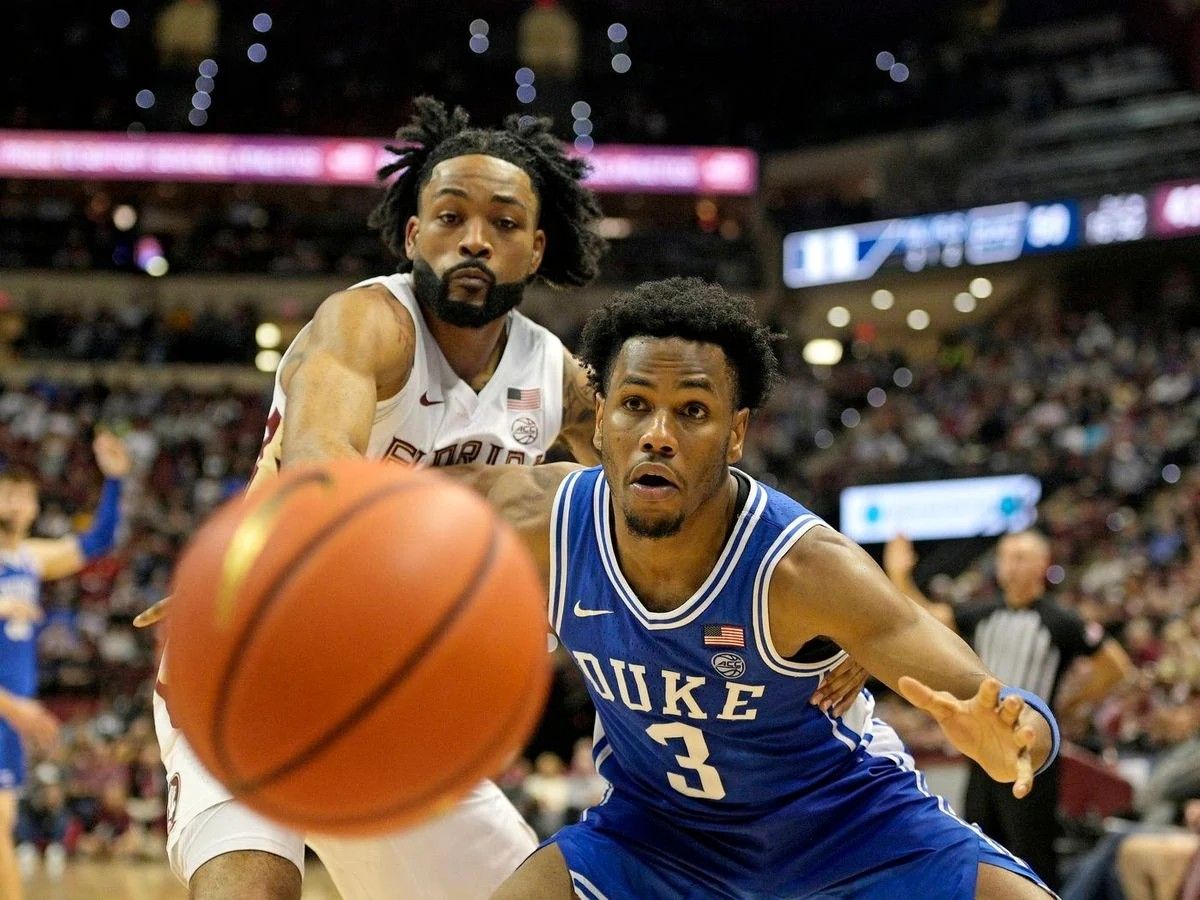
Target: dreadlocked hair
<point>691,309</point>
<point>568,211</point>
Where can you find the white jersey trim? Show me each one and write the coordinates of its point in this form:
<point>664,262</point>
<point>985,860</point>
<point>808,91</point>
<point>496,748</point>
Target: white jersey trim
<point>795,530</point>
<point>560,517</point>
<point>707,592</point>
<point>584,888</point>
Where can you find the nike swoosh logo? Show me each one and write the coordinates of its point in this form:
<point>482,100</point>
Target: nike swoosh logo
<point>425,401</point>
<point>584,613</point>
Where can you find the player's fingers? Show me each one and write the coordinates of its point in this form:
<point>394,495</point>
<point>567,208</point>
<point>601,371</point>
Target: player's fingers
<point>938,704</point>
<point>1010,709</point>
<point>1024,781</point>
<point>833,687</point>
<point>989,693</point>
<point>154,614</point>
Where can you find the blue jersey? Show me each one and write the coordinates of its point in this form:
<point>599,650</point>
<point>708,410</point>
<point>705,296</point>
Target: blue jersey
<point>724,779</point>
<point>19,580</point>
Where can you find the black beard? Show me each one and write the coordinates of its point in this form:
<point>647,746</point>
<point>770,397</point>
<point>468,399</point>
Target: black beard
<point>433,293</point>
<point>648,529</point>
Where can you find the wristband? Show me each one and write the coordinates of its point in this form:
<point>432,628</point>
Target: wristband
<point>1033,700</point>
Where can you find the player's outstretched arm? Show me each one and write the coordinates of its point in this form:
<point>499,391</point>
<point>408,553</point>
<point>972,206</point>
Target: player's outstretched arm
<point>64,556</point>
<point>358,350</point>
<point>827,585</point>
<point>522,495</point>
<point>579,412</point>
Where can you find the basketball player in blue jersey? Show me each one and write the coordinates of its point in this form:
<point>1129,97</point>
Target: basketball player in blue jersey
<point>25,563</point>
<point>703,609</point>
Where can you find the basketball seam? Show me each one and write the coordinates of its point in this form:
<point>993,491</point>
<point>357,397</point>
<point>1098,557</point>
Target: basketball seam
<point>520,711</point>
<point>266,599</point>
<point>377,694</point>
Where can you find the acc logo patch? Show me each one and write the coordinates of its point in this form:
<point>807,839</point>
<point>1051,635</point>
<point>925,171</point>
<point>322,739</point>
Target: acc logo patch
<point>729,665</point>
<point>524,430</point>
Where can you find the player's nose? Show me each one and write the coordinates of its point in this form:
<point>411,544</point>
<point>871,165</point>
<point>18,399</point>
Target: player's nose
<point>658,437</point>
<point>474,243</point>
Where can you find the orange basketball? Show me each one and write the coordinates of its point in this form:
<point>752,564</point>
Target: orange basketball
<point>353,647</point>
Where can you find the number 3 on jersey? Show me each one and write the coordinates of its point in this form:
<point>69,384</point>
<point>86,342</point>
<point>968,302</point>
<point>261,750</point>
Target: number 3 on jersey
<point>711,787</point>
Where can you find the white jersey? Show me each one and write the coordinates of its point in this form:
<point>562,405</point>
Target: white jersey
<point>437,419</point>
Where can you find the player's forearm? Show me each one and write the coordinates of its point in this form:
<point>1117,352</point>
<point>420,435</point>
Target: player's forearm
<point>101,537</point>
<point>318,447</point>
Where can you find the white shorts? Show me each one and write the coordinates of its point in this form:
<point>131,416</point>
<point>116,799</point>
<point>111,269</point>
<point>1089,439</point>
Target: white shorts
<point>463,854</point>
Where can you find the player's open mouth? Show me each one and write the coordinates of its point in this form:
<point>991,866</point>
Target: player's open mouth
<point>652,482</point>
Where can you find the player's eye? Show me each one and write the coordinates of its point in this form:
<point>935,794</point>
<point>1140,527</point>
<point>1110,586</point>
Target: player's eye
<point>695,411</point>
<point>448,218</point>
<point>507,224</point>
<point>634,404</point>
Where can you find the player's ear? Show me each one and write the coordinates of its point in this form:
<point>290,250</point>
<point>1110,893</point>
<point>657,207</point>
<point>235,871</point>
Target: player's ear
<point>539,250</point>
<point>411,227</point>
<point>737,436</point>
<point>599,419</point>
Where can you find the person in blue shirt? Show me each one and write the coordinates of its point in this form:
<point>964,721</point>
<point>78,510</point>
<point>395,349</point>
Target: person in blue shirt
<point>703,609</point>
<point>25,562</point>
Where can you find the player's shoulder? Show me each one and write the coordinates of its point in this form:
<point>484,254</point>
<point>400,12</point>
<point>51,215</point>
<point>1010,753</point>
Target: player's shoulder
<point>365,318</point>
<point>810,560</point>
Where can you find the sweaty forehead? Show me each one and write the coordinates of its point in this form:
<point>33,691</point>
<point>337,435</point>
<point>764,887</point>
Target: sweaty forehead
<point>665,362</point>
<point>480,174</point>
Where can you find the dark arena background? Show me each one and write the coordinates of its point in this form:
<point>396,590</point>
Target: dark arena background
<point>976,221</point>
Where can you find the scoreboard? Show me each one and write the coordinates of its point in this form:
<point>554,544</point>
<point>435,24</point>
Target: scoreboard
<point>987,234</point>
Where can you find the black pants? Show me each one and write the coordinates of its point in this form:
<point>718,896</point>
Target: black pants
<point>1027,827</point>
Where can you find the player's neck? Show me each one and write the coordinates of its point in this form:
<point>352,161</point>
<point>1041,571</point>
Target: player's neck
<point>665,572</point>
<point>1021,599</point>
<point>10,540</point>
<point>473,353</point>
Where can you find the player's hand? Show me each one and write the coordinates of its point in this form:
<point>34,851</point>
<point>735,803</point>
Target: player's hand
<point>899,557</point>
<point>112,456</point>
<point>840,687</point>
<point>154,614</point>
<point>17,609</point>
<point>990,732</point>
<point>33,722</point>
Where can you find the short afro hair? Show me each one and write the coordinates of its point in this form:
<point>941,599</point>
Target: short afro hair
<point>691,309</point>
<point>568,211</point>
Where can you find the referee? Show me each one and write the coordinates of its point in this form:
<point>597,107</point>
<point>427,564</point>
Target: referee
<point>1028,641</point>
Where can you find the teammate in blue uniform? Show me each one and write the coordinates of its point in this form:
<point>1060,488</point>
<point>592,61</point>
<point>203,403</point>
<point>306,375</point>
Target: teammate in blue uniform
<point>25,563</point>
<point>703,609</point>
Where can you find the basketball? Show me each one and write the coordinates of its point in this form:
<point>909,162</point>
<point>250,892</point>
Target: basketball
<point>353,647</point>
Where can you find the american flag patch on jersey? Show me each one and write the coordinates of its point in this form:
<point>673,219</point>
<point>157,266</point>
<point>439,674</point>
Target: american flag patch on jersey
<point>724,636</point>
<point>524,398</point>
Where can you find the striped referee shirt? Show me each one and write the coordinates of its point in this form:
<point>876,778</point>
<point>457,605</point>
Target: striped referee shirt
<point>1030,647</point>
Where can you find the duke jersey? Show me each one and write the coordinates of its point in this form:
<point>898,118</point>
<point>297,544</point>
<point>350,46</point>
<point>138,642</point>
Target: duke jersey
<point>19,580</point>
<point>724,779</point>
<point>437,419</point>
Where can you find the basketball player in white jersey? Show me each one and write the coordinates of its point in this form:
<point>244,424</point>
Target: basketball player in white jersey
<point>430,367</point>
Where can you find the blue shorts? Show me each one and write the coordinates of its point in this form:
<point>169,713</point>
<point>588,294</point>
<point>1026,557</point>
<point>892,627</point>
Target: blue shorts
<point>12,758</point>
<point>890,839</point>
